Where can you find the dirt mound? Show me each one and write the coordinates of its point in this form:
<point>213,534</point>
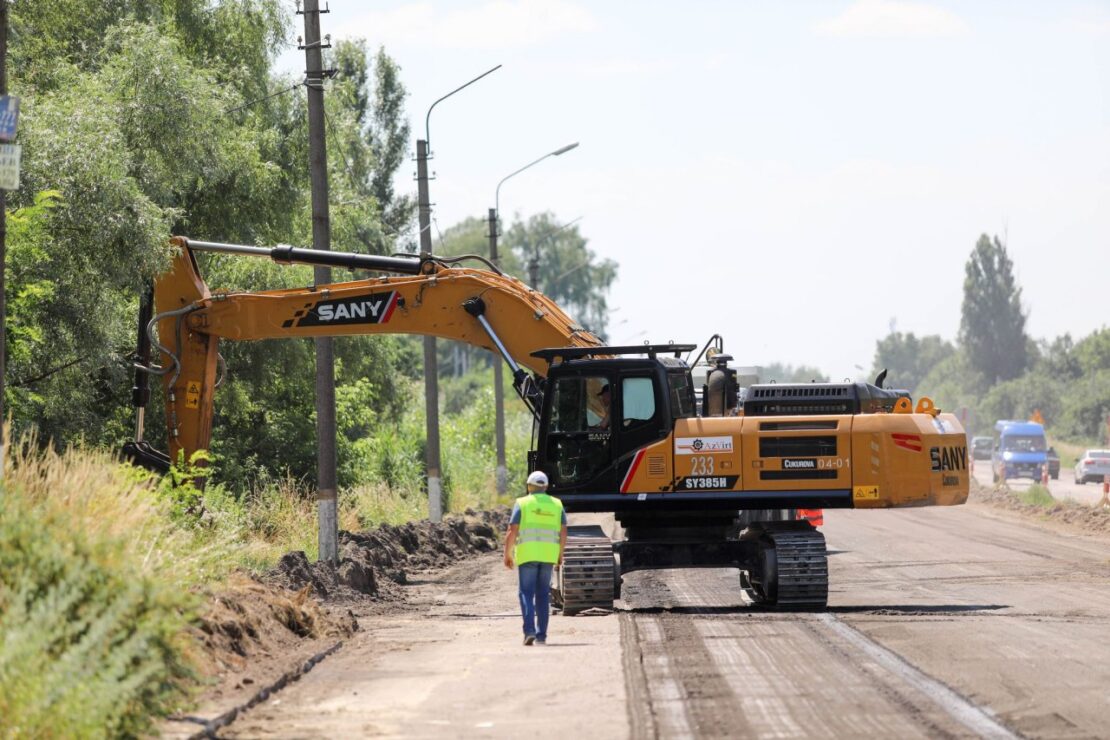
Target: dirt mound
<point>1072,514</point>
<point>374,562</point>
<point>251,617</point>
<point>247,636</point>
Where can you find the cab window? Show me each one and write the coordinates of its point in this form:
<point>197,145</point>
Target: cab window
<point>637,400</point>
<point>578,404</point>
<point>682,395</point>
<point>579,440</point>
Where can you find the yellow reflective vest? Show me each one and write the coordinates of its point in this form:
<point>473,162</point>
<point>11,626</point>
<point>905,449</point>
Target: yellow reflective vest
<point>541,523</point>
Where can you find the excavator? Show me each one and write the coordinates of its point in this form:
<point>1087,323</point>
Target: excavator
<point>618,429</point>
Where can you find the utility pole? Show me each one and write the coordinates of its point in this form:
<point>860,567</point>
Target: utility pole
<point>431,364</point>
<point>498,389</point>
<point>321,239</point>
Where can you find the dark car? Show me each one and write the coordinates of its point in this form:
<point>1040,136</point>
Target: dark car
<point>1053,463</point>
<point>981,448</point>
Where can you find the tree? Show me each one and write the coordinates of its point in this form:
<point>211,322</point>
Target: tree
<point>1058,359</point>
<point>777,372</point>
<point>1092,353</point>
<point>569,272</point>
<point>369,135</point>
<point>148,118</point>
<point>908,359</point>
<point>992,327</point>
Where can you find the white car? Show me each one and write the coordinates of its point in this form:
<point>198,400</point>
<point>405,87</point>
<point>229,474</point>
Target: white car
<point>1092,466</point>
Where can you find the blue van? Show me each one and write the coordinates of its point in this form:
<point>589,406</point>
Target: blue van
<point>1020,450</point>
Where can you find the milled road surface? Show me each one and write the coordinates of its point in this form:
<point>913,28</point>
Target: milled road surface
<point>943,622</point>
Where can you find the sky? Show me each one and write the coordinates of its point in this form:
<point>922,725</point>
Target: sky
<point>799,177</point>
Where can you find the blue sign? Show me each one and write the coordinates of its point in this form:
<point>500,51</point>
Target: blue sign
<point>9,116</point>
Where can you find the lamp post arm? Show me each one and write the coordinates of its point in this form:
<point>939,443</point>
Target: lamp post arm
<point>497,192</point>
<point>428,117</point>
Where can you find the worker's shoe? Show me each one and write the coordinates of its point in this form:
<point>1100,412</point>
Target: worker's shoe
<point>541,640</point>
<point>529,639</point>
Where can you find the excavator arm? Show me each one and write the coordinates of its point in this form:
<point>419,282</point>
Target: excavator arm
<point>424,295</point>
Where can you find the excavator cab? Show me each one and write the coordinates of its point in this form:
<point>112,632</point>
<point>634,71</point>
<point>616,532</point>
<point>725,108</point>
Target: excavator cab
<point>597,413</point>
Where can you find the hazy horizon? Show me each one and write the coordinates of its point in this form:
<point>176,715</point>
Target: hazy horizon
<point>797,177</point>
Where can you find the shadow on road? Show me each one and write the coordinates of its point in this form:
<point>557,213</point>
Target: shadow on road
<point>917,609</point>
<point>884,609</point>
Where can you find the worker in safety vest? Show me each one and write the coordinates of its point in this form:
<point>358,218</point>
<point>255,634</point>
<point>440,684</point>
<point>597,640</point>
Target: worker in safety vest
<point>535,541</point>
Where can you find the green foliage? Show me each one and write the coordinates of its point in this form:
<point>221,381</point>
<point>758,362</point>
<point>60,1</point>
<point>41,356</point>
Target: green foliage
<point>146,118</point>
<point>125,121</point>
<point>992,327</point>
<point>567,270</point>
<point>1086,408</point>
<point>368,140</point>
<point>94,598</point>
<point>388,136</point>
<point>1057,358</point>
<point>1036,495</point>
<point>183,488</point>
<point>1020,397</point>
<point>954,384</point>
<point>777,372</point>
<point>239,37</point>
<point>1092,353</point>
<point>908,359</point>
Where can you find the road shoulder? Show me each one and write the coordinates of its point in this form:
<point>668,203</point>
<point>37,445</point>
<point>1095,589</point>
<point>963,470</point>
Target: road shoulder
<point>454,666</point>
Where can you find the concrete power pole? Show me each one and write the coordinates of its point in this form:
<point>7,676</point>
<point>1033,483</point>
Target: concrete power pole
<point>431,364</point>
<point>498,388</point>
<point>321,239</point>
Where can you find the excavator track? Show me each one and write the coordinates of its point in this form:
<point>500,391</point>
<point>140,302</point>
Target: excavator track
<point>791,570</point>
<point>588,578</point>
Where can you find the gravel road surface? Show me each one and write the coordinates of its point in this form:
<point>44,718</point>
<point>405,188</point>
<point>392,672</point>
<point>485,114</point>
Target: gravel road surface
<point>943,622</point>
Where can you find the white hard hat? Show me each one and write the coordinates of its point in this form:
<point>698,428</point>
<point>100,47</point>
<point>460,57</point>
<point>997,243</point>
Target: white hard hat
<point>537,478</point>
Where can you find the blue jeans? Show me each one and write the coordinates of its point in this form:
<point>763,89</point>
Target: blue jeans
<point>535,597</point>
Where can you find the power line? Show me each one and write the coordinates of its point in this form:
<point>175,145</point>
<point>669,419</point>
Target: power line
<point>237,108</point>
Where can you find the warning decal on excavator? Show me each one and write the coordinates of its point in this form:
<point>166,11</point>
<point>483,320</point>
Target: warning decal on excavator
<point>865,493</point>
<point>192,394</point>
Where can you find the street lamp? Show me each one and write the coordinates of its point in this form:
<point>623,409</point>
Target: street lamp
<point>498,392</point>
<point>497,193</point>
<point>431,370</point>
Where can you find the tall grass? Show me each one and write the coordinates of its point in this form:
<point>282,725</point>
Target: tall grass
<point>1036,495</point>
<point>94,597</point>
<point>102,567</point>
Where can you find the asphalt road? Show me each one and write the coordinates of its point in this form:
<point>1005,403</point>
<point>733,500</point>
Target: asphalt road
<point>943,622</point>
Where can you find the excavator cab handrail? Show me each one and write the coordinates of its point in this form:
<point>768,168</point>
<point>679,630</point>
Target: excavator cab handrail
<point>576,353</point>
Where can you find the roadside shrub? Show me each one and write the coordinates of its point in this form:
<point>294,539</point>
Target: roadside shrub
<point>94,597</point>
<point>1036,495</point>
